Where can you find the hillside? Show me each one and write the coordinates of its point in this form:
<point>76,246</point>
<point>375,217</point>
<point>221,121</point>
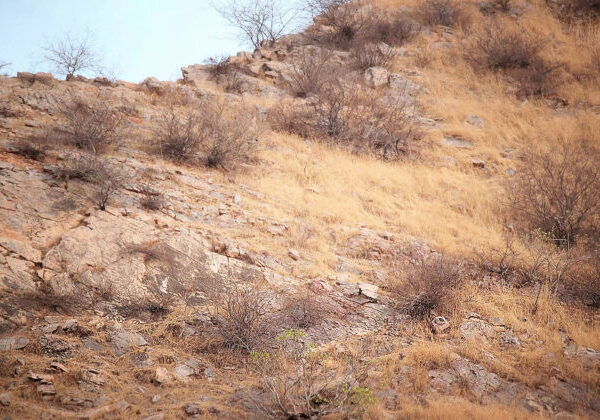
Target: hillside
<point>322,227</point>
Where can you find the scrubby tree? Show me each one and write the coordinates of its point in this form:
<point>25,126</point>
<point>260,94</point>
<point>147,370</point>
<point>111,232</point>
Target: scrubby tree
<point>69,55</point>
<point>258,20</point>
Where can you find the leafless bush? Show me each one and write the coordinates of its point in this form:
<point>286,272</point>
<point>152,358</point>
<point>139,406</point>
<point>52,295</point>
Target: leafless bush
<point>346,19</point>
<point>299,382</point>
<point>258,20</point>
<point>359,120</point>
<point>69,55</point>
<point>224,136</point>
<point>240,315</point>
<point>394,31</point>
<point>226,74</point>
<point>94,170</point>
<point>3,65</point>
<point>30,149</point>
<point>556,192</point>
<point>231,135</point>
<point>575,9</point>
<point>585,285</point>
<point>366,55</point>
<point>449,13</point>
<point>89,123</point>
<point>502,261</point>
<point>289,117</point>
<point>428,286</point>
<point>153,201</point>
<point>539,79</point>
<point>503,46</point>
<point>311,72</point>
<point>302,312</point>
<point>178,134</point>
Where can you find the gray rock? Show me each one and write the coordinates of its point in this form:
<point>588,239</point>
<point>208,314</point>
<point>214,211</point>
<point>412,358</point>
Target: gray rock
<point>440,324</point>
<point>162,376</point>
<point>477,163</point>
<point>294,255</point>
<point>476,329</point>
<point>457,142</point>
<point>123,342</point>
<point>155,399</point>
<point>474,120</point>
<point>402,84</point>
<point>183,372</point>
<point>158,416</point>
<point>192,409</point>
<point>376,76</point>
<point>369,290</point>
<point>5,399</point>
<point>13,343</point>
<point>508,340</point>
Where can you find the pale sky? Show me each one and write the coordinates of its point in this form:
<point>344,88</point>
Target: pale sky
<point>137,38</point>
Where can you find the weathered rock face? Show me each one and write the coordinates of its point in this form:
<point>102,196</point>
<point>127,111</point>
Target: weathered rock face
<point>376,76</point>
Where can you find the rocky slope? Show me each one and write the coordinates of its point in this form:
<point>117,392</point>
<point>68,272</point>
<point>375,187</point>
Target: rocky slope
<point>106,313</point>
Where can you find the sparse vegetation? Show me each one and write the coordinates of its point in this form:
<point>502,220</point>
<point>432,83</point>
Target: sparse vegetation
<point>428,286</point>
<point>449,13</point>
<point>372,55</point>
<point>211,135</point>
<point>299,383</point>
<point>30,149</point>
<point>556,191</point>
<point>312,72</point>
<point>240,314</point>
<point>258,21</point>
<point>95,170</point>
<point>70,55</point>
<point>90,123</point>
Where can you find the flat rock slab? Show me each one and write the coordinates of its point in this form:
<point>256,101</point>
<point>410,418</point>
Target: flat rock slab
<point>13,343</point>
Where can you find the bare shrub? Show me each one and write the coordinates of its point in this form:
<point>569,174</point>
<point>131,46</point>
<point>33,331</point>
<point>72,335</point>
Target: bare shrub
<point>89,123</point>
<point>30,149</point>
<point>311,72</point>
<point>258,20</point>
<point>240,315</point>
<point>428,285</point>
<point>539,79</point>
<point>299,382</point>
<point>94,170</point>
<point>394,31</point>
<point>153,201</point>
<point>585,284</point>
<point>359,120</point>
<point>556,192</point>
<point>178,134</point>
<point>223,135</point>
<point>2,66</point>
<point>302,312</point>
<point>226,74</point>
<point>503,46</point>
<point>346,20</point>
<point>70,55</point>
<point>366,55</point>
<point>575,9</point>
<point>449,13</point>
<point>231,135</point>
